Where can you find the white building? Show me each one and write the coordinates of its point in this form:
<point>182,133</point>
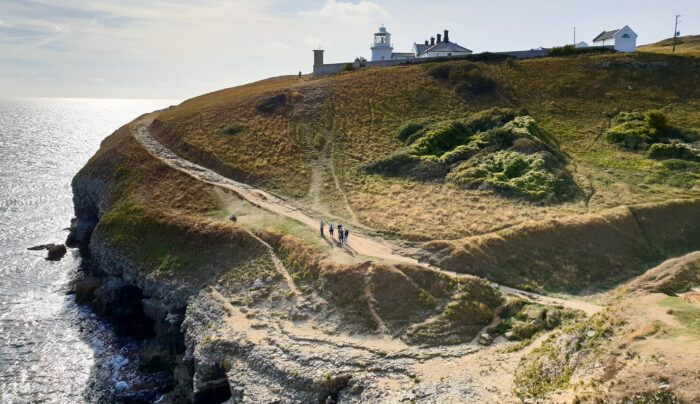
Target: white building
<point>622,40</point>
<point>382,49</point>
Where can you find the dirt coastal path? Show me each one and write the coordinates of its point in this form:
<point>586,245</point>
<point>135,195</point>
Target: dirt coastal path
<point>359,244</point>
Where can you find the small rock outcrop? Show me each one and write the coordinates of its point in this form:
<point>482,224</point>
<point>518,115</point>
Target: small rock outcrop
<point>55,251</point>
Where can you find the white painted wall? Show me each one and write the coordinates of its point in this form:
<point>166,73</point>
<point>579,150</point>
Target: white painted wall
<point>381,45</point>
<point>433,54</point>
<point>625,40</point>
<point>380,53</point>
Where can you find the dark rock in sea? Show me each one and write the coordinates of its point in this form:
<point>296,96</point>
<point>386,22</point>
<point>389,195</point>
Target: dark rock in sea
<point>71,241</point>
<point>56,251</point>
<point>41,247</point>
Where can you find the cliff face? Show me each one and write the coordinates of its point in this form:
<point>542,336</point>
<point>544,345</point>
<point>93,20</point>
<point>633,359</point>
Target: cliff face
<point>120,284</point>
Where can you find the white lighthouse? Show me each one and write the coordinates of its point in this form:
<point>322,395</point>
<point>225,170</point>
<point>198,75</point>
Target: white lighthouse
<point>381,48</point>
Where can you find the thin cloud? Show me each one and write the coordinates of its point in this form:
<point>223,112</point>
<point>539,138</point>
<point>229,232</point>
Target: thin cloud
<point>362,12</point>
<point>315,42</point>
<point>276,46</point>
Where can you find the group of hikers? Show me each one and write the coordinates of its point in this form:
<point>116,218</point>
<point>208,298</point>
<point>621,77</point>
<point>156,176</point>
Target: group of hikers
<point>342,232</point>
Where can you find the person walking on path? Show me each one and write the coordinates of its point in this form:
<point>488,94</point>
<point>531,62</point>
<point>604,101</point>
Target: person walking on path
<point>340,233</point>
<point>322,225</point>
<point>330,230</point>
<point>345,236</point>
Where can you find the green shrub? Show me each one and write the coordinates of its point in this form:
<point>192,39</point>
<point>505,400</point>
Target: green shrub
<point>348,67</point>
<point>657,120</point>
<point>674,150</point>
<point>628,116</point>
<point>521,331</point>
<point>632,134</point>
<point>637,130</point>
<point>567,50</point>
<point>460,153</point>
<point>530,176</point>
<point>499,137</point>
<point>408,129</point>
<point>490,118</point>
<point>563,50</point>
<point>441,139</point>
<point>406,164</point>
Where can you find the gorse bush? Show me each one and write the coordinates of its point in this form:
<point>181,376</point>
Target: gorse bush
<point>407,129</point>
<point>441,139</point>
<point>631,134</point>
<point>465,77</point>
<point>656,119</point>
<point>405,164</point>
<point>481,150</point>
<point>563,50</point>
<point>348,67</point>
<point>628,116</point>
<point>529,176</point>
<point>674,150</point>
<point>460,153</point>
<point>636,130</point>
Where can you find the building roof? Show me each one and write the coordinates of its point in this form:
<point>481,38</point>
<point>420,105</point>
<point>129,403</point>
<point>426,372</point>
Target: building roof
<point>446,47</point>
<point>605,35</point>
<point>420,47</point>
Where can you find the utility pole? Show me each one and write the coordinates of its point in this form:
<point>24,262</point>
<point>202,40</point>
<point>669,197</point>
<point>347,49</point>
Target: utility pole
<point>574,36</point>
<point>675,33</point>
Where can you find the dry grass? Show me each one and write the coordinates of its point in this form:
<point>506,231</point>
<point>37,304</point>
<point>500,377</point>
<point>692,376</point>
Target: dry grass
<point>570,97</point>
<point>578,252</point>
<point>162,218</point>
<point>688,45</point>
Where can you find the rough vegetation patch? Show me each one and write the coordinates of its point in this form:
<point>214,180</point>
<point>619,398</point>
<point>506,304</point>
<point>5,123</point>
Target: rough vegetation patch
<point>495,148</point>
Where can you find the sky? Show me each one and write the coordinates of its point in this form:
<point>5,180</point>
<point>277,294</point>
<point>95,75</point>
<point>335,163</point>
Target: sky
<point>180,49</point>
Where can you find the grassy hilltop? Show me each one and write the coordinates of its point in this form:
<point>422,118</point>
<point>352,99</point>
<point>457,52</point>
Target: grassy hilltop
<point>688,45</point>
<point>268,133</point>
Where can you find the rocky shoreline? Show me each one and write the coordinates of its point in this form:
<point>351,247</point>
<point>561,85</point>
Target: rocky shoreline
<point>139,307</point>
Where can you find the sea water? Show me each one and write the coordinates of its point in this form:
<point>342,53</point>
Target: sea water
<point>52,350</point>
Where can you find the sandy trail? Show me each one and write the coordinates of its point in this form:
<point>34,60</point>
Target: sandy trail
<point>358,243</point>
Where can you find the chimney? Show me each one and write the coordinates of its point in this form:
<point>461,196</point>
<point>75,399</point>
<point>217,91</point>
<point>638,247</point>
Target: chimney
<point>446,38</point>
<point>438,38</point>
<point>426,41</point>
<point>432,40</point>
<point>318,57</point>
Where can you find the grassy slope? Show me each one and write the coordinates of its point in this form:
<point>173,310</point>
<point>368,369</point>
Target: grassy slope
<point>688,45</point>
<point>173,228</point>
<point>570,97</point>
<point>160,217</point>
